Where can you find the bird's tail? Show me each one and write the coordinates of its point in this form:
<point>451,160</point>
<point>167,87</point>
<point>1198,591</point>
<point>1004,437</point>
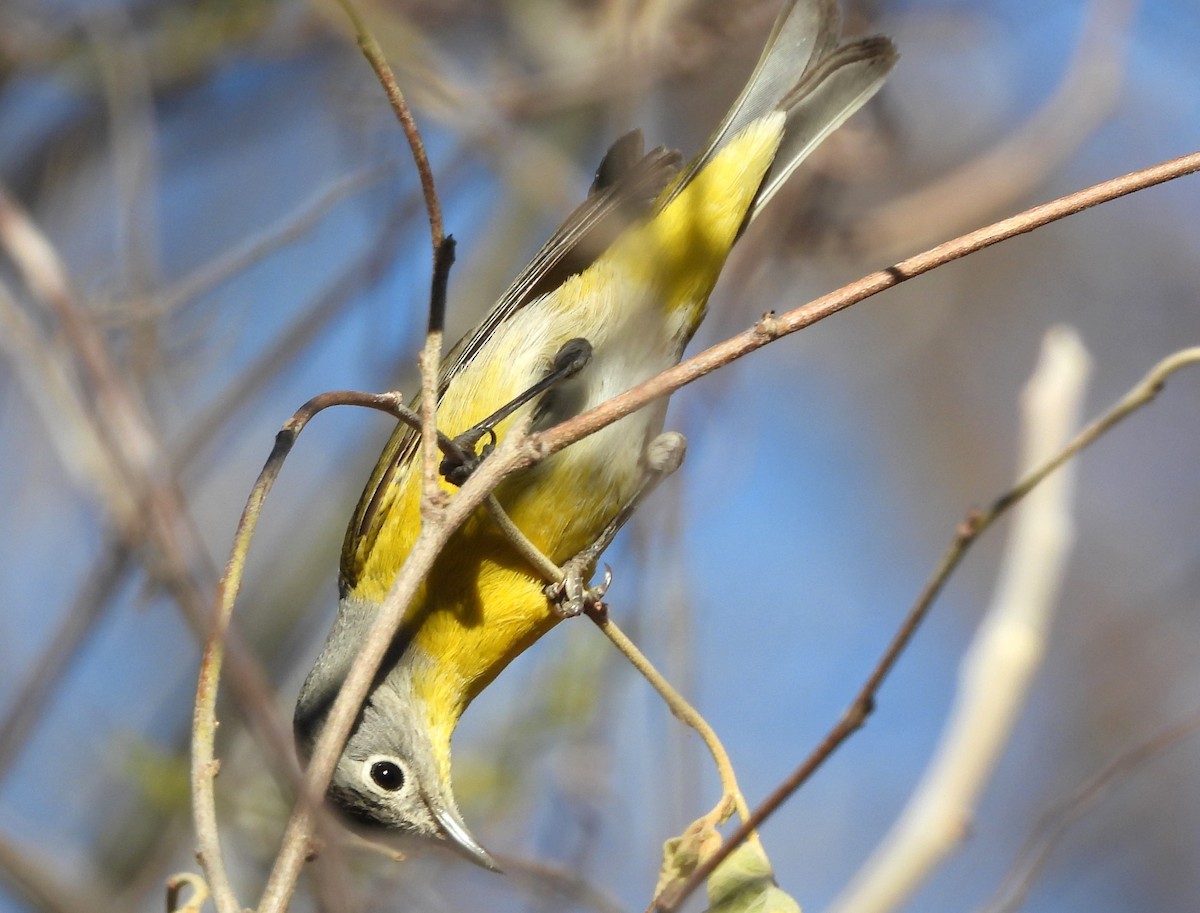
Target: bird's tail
<point>813,80</point>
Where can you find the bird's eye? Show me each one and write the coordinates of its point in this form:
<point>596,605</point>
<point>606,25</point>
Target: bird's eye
<point>387,775</point>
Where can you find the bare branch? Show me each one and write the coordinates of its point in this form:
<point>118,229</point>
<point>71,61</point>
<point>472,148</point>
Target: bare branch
<point>1036,850</point>
<point>204,723</point>
<point>1020,162</point>
<point>732,798</point>
<point>443,259</point>
<point>998,668</point>
<point>513,452</point>
<point>968,531</point>
<point>772,327</point>
<point>375,57</point>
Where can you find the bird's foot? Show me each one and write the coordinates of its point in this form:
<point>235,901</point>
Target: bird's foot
<point>571,597</point>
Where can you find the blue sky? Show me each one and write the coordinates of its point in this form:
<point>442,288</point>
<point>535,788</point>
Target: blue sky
<point>825,474</point>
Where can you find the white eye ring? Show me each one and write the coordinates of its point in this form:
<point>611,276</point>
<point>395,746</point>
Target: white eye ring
<point>385,773</point>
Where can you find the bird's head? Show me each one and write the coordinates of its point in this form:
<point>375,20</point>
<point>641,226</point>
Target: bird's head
<point>394,771</point>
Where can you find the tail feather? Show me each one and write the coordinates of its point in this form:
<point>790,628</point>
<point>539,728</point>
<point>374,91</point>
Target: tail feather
<point>825,97</point>
<point>805,31</point>
<point>804,73</point>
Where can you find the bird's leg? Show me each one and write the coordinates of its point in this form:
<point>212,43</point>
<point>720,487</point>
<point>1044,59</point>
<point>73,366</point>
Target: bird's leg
<point>458,466</point>
<point>570,595</point>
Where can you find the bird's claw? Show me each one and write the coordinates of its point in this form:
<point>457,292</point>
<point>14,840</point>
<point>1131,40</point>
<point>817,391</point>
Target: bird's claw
<point>571,597</point>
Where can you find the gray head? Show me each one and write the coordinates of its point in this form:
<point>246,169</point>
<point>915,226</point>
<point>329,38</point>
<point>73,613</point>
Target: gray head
<point>388,774</point>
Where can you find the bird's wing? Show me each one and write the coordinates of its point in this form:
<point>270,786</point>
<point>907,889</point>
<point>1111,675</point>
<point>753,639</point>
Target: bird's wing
<point>626,185</point>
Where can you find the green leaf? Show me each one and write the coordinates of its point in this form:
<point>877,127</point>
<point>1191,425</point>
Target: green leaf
<point>745,883</point>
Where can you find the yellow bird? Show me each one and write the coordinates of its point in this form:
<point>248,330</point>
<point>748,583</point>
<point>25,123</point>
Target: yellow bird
<point>629,272</point>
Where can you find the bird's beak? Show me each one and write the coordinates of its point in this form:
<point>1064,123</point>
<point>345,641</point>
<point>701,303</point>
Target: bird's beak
<point>460,838</point>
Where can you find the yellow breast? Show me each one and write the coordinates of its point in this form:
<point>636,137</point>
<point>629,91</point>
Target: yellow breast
<point>638,305</point>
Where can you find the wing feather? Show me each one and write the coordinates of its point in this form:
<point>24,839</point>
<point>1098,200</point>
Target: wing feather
<point>626,185</point>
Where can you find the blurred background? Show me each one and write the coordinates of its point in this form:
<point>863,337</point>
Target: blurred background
<point>239,228</point>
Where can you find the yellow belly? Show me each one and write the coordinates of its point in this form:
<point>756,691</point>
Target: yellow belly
<point>638,305</point>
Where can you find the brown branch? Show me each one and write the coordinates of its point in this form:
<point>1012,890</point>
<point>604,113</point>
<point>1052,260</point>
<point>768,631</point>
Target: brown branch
<point>204,721</point>
<point>771,327</point>
<point>443,258</point>
<point>1036,850</point>
<point>375,57</point>
<point>732,798</point>
<point>513,452</point>
<point>132,455</point>
<point>430,360</point>
<point>975,524</point>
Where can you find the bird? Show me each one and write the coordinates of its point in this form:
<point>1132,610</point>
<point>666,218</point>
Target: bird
<point>611,299</point>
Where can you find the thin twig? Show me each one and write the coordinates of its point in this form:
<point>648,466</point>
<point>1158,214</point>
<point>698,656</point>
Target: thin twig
<point>513,452</point>
<point>732,798</point>
<point>681,710</point>
<point>204,722</point>
<point>375,57</point>
<point>998,667</point>
<point>443,257</point>
<point>772,327</point>
<point>1036,850</point>
<point>431,357</point>
<point>534,556</point>
<point>966,534</point>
